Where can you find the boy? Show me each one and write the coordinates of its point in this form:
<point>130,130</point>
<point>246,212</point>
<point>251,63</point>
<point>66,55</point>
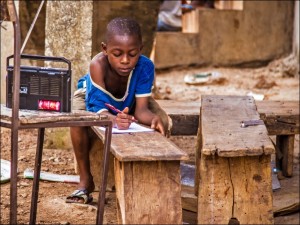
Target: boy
<point>122,77</point>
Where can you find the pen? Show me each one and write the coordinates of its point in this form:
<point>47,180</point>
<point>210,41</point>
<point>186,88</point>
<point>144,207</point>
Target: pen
<point>118,111</point>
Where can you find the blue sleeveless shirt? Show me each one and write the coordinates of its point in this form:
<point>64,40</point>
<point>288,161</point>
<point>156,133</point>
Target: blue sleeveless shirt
<point>139,84</point>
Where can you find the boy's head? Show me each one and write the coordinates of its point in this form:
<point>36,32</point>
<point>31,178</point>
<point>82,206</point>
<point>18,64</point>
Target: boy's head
<point>123,45</point>
<point>123,26</point>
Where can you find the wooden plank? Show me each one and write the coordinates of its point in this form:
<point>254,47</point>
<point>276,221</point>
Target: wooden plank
<point>143,192</point>
<point>184,115</point>
<point>268,107</point>
<point>188,199</point>
<point>280,117</point>
<point>252,189</point>
<point>222,115</point>
<point>235,188</point>
<point>215,191</point>
<point>189,217</point>
<point>144,146</point>
<point>120,180</point>
<point>39,116</point>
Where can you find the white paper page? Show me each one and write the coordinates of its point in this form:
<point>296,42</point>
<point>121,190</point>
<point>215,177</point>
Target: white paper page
<point>134,127</point>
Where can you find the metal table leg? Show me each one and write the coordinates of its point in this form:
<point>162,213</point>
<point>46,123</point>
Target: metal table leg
<point>101,199</point>
<point>36,178</point>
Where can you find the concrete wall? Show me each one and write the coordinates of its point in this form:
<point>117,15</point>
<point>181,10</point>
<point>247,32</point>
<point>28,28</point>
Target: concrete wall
<point>68,33</point>
<point>261,32</point>
<point>145,12</point>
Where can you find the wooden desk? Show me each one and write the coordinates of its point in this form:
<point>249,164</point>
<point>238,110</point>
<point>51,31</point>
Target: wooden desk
<point>29,119</point>
<point>280,117</point>
<point>233,163</point>
<point>147,178</point>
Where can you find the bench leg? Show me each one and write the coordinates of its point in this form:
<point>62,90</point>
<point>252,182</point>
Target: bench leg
<point>237,188</point>
<point>285,144</point>
<point>148,192</point>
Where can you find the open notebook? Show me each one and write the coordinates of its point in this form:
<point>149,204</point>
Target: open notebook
<point>134,127</point>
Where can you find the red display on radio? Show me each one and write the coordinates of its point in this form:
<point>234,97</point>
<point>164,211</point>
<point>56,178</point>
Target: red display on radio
<point>49,105</point>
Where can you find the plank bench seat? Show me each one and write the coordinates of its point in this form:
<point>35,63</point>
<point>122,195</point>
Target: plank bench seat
<point>233,175</point>
<point>281,119</point>
<point>147,178</point>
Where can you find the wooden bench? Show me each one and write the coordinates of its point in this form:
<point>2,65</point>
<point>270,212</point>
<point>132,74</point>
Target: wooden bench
<point>147,178</point>
<point>281,119</point>
<point>233,163</point>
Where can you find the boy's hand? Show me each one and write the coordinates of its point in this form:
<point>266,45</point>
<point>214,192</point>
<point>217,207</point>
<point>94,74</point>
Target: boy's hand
<point>157,124</point>
<point>123,120</point>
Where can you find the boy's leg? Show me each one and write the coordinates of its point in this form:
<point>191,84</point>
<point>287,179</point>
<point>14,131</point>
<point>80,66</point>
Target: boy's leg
<point>81,146</point>
<point>166,120</point>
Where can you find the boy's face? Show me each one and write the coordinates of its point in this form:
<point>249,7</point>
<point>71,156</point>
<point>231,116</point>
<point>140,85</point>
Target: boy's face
<point>123,52</point>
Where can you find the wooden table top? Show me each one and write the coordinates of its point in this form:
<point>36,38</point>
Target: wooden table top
<point>36,116</point>
<point>222,133</point>
<point>143,146</point>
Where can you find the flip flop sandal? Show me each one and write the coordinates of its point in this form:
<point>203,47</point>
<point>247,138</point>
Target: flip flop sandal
<point>79,194</point>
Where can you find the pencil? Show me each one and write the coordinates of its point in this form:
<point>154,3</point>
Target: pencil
<point>118,111</point>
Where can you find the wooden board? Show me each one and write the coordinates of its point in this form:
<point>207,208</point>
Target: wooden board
<point>280,117</point>
<point>39,116</point>
<point>238,188</point>
<point>143,146</point>
<point>148,192</point>
<point>184,115</point>
<point>222,133</point>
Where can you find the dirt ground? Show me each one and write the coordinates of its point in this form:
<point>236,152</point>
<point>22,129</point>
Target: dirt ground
<point>274,82</point>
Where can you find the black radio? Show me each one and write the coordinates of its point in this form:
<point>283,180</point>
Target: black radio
<point>41,88</point>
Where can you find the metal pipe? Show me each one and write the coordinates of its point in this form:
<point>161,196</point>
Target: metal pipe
<point>105,167</point>
<point>15,112</point>
<point>36,177</point>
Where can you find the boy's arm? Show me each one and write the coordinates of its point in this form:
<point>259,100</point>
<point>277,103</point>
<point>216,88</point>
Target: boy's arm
<point>145,116</point>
